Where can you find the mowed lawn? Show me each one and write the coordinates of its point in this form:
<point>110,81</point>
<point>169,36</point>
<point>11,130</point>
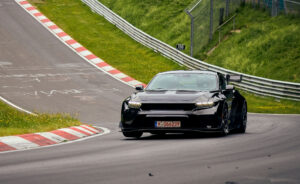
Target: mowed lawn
<point>14,122</point>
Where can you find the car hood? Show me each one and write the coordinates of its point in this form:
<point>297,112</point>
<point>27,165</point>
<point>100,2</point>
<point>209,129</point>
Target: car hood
<point>171,96</point>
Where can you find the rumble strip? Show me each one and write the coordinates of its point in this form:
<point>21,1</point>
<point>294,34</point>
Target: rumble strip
<point>77,47</point>
<point>36,140</point>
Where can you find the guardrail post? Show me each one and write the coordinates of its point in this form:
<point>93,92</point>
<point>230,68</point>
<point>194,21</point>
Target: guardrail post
<point>274,8</point>
<point>227,8</point>
<point>192,32</point>
<point>221,16</point>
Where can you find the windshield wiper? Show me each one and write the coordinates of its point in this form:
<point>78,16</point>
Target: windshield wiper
<point>184,90</point>
<point>157,89</point>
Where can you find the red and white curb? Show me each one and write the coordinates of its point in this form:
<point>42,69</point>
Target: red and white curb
<point>36,140</point>
<point>77,47</point>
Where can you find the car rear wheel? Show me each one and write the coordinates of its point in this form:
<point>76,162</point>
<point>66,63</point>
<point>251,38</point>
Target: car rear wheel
<point>243,119</point>
<point>224,122</point>
<point>133,134</point>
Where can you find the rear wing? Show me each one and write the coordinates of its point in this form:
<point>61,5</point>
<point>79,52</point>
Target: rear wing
<point>234,78</point>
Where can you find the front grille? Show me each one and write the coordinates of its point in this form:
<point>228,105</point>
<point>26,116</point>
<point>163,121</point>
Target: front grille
<point>185,107</point>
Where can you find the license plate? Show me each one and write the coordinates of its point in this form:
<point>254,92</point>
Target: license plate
<point>167,124</point>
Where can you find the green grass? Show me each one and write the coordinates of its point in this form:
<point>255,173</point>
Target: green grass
<point>14,122</point>
<point>107,42</point>
<point>260,104</point>
<point>166,20</point>
<point>265,46</point>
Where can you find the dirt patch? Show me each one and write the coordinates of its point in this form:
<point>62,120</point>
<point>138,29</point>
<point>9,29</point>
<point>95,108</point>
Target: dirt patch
<point>236,31</point>
<point>212,50</point>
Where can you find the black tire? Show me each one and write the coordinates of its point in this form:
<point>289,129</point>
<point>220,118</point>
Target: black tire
<point>224,121</point>
<point>242,120</point>
<point>133,134</point>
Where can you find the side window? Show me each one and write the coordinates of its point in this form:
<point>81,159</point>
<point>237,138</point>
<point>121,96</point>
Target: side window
<point>222,82</point>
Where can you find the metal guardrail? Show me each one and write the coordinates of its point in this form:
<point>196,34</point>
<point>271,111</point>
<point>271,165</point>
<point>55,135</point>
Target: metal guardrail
<point>257,85</point>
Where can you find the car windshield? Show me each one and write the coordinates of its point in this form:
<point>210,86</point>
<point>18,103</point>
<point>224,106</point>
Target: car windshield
<point>184,82</point>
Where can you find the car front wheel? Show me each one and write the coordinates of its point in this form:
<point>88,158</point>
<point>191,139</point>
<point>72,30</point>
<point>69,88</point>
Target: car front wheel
<point>224,122</point>
<point>243,119</point>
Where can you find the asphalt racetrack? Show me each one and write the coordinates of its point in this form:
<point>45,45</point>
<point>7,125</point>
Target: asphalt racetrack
<point>39,73</point>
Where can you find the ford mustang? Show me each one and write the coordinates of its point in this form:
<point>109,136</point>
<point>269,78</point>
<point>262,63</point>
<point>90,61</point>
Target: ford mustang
<point>185,101</point>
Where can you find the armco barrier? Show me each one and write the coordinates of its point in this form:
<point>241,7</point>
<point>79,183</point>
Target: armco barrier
<point>257,85</point>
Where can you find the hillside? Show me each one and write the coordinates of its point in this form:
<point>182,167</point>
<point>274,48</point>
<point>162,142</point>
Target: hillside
<point>166,20</point>
<point>261,45</point>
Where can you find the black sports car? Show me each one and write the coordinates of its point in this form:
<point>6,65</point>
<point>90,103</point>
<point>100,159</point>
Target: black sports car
<point>185,101</point>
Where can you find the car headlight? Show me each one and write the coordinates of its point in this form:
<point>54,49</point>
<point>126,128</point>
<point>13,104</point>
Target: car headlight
<point>207,104</point>
<point>134,105</point>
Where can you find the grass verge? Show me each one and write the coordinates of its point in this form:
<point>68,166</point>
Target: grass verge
<point>166,20</point>
<point>262,46</point>
<point>260,104</point>
<point>120,51</point>
<point>14,122</point>
<point>104,39</point>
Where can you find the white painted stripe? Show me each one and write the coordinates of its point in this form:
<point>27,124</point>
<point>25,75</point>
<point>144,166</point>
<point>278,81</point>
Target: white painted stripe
<point>27,5</point>
<point>134,82</point>
<point>117,77</point>
<point>90,128</point>
<point>108,68</point>
<point>18,142</point>
<point>97,60</point>
<point>52,136</point>
<point>66,38</point>
<point>49,24</point>
<point>34,11</point>
<point>58,30</point>
<point>76,45</point>
<point>105,131</point>
<point>15,106</point>
<point>85,130</point>
<point>42,17</point>
<point>120,75</point>
<point>85,53</point>
<point>19,1</point>
<point>73,132</point>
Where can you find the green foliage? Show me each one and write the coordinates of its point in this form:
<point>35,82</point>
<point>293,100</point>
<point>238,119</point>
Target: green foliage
<point>13,122</point>
<point>109,43</point>
<point>264,46</point>
<point>105,40</point>
<point>261,104</point>
<point>166,20</point>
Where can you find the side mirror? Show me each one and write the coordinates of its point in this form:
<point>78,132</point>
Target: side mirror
<point>234,78</point>
<point>229,87</point>
<point>139,87</point>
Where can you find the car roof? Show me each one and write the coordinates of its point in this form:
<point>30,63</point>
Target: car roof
<point>188,71</point>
